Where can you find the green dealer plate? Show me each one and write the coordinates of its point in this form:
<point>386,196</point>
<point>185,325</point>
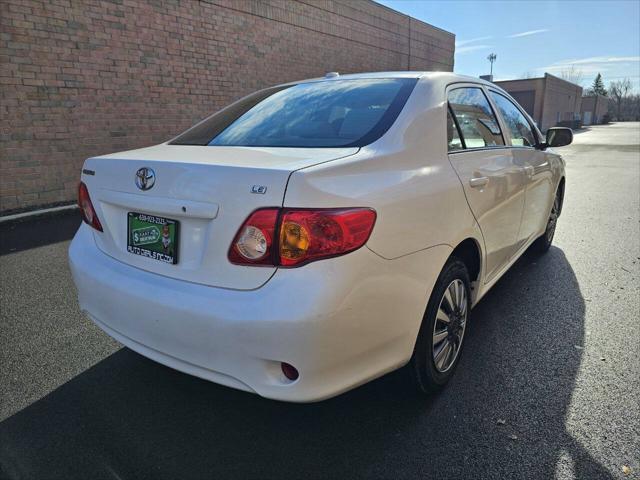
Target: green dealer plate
<point>153,237</point>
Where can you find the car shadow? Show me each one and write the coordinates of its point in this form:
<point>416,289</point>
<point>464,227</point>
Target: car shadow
<point>502,416</point>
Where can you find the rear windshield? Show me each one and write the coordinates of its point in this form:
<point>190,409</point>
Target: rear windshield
<point>335,113</point>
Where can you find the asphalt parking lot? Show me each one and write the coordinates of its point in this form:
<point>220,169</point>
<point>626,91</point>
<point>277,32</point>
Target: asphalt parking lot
<point>548,387</point>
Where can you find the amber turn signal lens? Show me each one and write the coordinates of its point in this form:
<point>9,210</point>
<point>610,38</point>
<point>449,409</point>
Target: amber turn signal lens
<point>294,240</point>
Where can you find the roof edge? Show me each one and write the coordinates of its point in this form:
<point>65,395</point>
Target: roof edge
<point>519,79</point>
<point>546,75</point>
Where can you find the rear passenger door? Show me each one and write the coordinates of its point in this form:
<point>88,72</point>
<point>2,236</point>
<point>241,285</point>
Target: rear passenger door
<point>493,183</point>
<point>538,174</point>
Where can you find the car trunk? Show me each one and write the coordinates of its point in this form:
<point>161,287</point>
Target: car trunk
<point>209,191</point>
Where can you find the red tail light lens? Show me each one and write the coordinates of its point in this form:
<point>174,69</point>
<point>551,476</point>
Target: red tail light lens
<point>308,235</point>
<point>294,237</point>
<point>253,243</point>
<point>87,211</point>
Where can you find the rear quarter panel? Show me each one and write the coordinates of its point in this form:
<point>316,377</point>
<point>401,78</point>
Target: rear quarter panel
<point>405,176</point>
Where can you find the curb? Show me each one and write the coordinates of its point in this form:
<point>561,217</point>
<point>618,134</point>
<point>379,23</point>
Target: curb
<point>36,213</point>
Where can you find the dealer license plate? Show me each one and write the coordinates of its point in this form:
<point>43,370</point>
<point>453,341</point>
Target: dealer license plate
<point>153,237</point>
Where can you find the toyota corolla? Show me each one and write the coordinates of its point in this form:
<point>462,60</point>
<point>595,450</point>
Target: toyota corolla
<point>315,235</point>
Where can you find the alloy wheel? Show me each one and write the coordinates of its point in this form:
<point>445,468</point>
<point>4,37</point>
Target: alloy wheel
<point>553,218</point>
<point>450,325</point>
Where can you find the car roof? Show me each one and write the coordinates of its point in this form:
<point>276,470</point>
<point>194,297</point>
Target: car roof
<point>444,77</point>
<point>441,79</point>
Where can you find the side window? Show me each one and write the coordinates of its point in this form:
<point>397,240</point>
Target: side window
<point>517,124</point>
<point>478,125</point>
<point>453,138</point>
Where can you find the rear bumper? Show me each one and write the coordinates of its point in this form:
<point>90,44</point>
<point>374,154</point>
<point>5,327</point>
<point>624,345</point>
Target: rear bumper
<point>340,322</point>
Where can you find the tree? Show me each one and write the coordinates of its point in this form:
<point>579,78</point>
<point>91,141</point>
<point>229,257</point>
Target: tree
<point>598,86</point>
<point>631,108</point>
<point>619,93</point>
<point>572,74</point>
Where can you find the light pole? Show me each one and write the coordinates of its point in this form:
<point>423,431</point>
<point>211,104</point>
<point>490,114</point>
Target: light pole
<point>492,58</point>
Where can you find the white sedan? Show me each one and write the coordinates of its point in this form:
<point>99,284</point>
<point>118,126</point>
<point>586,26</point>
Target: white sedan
<point>315,235</point>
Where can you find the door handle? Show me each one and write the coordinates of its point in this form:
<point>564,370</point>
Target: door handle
<point>478,182</point>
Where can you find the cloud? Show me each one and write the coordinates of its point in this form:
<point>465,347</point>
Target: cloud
<point>610,66</point>
<point>527,33</point>
<point>591,64</point>
<point>472,48</point>
<point>473,40</point>
<point>601,60</point>
<point>585,69</point>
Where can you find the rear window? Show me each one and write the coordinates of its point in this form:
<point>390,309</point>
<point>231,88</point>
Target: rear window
<point>335,113</point>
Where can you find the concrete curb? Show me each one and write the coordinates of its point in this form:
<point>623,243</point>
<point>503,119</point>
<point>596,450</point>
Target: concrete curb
<point>37,213</point>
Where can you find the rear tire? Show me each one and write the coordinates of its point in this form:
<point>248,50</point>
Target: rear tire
<point>441,337</point>
<point>543,243</point>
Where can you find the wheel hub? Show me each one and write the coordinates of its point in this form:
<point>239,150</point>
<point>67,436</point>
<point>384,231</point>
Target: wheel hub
<point>455,324</point>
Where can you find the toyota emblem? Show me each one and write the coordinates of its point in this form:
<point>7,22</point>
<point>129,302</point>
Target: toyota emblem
<point>145,178</point>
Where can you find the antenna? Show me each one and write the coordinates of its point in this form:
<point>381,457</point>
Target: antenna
<point>492,58</point>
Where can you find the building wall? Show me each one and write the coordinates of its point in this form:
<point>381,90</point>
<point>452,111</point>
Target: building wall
<point>597,105</point>
<point>86,78</point>
<point>562,101</point>
<point>522,90</point>
<point>555,100</point>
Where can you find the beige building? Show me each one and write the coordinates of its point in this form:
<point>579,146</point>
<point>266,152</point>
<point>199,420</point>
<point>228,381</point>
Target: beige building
<point>550,100</point>
<point>594,108</point>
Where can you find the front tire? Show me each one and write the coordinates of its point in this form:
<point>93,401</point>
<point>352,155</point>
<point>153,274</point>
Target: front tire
<point>440,340</point>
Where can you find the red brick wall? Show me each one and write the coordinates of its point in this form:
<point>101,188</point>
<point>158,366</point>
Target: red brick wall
<point>83,78</point>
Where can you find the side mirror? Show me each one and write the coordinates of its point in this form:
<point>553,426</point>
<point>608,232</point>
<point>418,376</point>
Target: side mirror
<point>559,137</point>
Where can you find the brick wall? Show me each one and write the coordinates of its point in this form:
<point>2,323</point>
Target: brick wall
<point>83,78</point>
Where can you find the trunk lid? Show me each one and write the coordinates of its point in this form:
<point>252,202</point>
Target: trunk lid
<point>208,190</point>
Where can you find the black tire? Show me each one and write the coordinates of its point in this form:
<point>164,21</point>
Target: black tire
<point>543,243</point>
<point>426,376</point>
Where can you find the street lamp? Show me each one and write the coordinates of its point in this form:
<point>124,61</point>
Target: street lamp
<point>492,58</point>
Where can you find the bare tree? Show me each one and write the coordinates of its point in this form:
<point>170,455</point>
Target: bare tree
<point>572,74</point>
<point>528,74</point>
<point>619,93</point>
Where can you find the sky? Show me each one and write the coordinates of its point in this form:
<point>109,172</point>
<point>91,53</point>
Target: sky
<point>533,37</point>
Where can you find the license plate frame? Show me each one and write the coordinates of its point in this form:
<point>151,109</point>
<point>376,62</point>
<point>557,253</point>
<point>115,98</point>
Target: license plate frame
<point>146,237</point>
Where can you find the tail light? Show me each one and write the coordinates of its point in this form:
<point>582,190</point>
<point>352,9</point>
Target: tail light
<point>308,235</point>
<point>294,237</point>
<point>254,241</point>
<point>86,208</point>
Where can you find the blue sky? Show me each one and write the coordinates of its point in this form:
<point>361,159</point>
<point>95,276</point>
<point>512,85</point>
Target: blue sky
<point>533,37</point>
